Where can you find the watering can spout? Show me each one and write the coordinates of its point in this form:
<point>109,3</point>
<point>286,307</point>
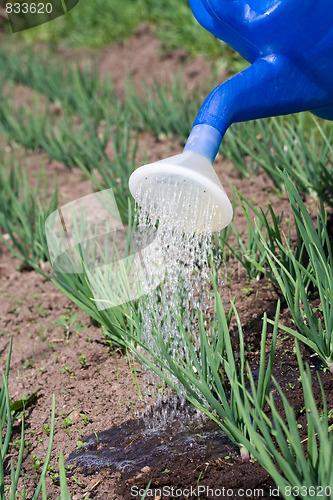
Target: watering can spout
<point>270,86</point>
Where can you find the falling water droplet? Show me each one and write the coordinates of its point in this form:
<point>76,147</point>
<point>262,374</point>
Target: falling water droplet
<point>172,308</point>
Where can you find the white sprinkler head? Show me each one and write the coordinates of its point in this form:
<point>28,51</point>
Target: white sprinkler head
<point>185,190</point>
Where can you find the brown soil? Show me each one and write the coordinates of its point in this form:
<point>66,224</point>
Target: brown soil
<point>99,394</point>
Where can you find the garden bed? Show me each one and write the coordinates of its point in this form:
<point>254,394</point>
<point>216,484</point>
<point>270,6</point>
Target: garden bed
<point>58,349</point>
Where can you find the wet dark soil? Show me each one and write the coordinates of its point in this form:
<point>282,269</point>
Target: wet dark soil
<point>163,433</point>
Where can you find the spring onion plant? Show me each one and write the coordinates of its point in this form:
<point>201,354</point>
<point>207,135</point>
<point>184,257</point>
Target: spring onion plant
<point>81,145</point>
<point>74,88</point>
<point>301,468</point>
<point>10,491</point>
<point>23,126</point>
<point>83,272</point>
<point>114,320</point>
<point>146,491</point>
<point>248,251</point>
<point>246,248</point>
<point>59,136</point>
<point>314,324</point>
<point>210,375</point>
<point>165,109</point>
<point>23,211</point>
<point>252,253</point>
<point>299,144</point>
<point>72,145</point>
<point>106,172</point>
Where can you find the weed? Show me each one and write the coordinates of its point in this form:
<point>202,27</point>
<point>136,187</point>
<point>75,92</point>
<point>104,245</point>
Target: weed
<point>85,419</point>
<point>83,361</point>
<point>68,369</point>
<point>29,363</point>
<point>46,428</point>
<point>68,323</point>
<point>41,331</point>
<point>41,311</point>
<point>37,462</point>
<point>80,444</point>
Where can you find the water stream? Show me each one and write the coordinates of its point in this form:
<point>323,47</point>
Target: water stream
<point>172,308</point>
<point>170,426</point>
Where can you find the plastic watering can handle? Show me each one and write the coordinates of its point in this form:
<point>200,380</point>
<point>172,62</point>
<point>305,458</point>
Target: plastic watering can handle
<point>289,44</point>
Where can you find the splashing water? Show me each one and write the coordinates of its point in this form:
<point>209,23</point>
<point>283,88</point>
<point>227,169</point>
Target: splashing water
<point>172,309</point>
<point>131,446</point>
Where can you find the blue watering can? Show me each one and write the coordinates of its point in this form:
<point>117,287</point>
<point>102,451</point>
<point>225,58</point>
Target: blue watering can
<point>289,44</point>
